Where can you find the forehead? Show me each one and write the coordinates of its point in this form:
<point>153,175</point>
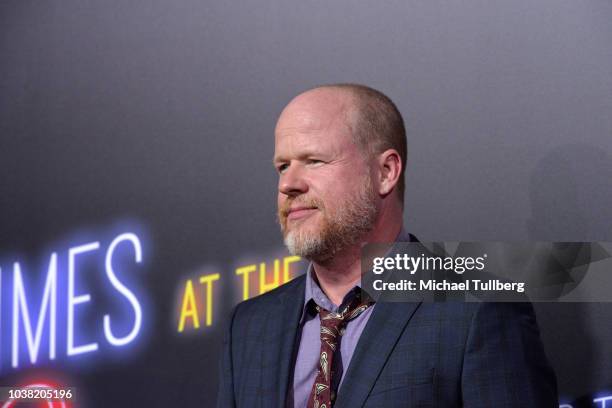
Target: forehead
<point>314,120</point>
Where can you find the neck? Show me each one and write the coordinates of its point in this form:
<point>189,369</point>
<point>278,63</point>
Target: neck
<point>339,274</point>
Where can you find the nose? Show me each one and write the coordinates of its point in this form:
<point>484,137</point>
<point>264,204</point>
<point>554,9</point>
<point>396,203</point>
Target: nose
<point>291,182</point>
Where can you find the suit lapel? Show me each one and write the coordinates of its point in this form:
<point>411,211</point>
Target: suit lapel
<point>280,336</point>
<point>377,340</point>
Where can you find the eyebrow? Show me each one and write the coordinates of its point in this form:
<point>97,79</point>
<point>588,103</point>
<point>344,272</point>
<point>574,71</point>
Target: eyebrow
<point>301,156</point>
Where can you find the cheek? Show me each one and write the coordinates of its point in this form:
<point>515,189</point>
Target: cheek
<point>280,199</point>
<point>341,193</point>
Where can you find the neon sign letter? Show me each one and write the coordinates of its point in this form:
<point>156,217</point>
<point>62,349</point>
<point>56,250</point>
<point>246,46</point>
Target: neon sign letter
<point>20,308</point>
<point>121,288</point>
<point>75,300</point>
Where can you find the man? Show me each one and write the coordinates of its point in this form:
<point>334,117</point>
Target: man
<point>319,340</point>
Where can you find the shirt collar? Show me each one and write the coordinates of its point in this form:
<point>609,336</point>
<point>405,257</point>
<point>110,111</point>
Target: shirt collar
<point>314,293</point>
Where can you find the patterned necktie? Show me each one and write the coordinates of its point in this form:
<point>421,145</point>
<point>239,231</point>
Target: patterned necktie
<point>332,328</point>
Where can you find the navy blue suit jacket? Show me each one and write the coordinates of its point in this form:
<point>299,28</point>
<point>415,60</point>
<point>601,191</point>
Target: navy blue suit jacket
<point>445,354</point>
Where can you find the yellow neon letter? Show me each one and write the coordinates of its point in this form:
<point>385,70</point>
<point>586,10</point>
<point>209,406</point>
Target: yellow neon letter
<point>245,271</point>
<point>189,308</point>
<point>263,286</point>
<point>286,261</point>
<point>208,280</point>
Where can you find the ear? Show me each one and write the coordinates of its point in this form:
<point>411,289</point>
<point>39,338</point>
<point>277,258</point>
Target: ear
<point>389,170</point>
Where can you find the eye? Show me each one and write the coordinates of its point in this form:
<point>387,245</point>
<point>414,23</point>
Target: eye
<point>282,167</point>
<point>314,161</point>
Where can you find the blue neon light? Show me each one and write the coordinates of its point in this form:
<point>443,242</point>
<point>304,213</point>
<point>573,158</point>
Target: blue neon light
<point>34,313</point>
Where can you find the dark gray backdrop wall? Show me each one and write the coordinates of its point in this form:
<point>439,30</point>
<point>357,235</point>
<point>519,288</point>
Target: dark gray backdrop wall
<point>162,113</point>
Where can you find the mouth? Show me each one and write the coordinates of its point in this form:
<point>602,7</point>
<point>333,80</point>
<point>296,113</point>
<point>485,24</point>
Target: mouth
<point>300,212</point>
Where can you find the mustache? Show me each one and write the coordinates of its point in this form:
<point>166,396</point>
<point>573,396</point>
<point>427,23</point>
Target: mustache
<point>283,210</point>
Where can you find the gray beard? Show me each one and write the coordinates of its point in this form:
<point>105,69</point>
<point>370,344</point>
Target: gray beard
<point>339,232</point>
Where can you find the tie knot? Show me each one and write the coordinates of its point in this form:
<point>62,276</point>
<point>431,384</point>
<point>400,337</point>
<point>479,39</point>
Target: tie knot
<point>332,323</point>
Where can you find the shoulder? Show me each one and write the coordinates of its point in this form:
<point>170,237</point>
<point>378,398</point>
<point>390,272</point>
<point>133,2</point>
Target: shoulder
<point>521,312</point>
<point>490,316</point>
<point>474,311</point>
<point>290,292</point>
<point>515,322</point>
<point>474,321</point>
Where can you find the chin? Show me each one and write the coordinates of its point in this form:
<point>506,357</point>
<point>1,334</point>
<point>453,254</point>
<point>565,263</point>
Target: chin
<point>305,226</point>
<point>303,243</point>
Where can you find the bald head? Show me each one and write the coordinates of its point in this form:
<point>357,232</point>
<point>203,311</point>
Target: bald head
<point>370,117</point>
<point>318,109</point>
